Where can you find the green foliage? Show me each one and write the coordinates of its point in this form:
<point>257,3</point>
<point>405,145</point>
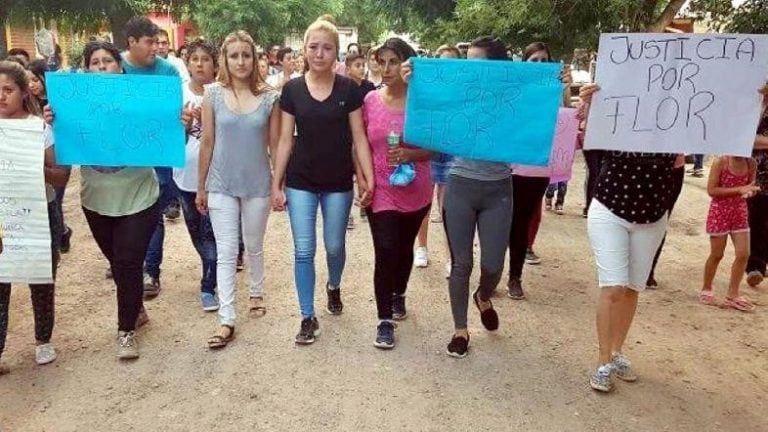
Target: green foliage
<point>749,17</point>
<point>268,21</point>
<point>562,24</point>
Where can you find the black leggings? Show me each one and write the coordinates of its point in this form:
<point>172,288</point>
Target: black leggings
<point>124,240</point>
<point>527,193</point>
<point>678,175</point>
<point>393,236</point>
<point>594,160</point>
<point>758,233</point>
<point>43,304</point>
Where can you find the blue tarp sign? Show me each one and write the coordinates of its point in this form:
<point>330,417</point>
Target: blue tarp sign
<point>117,120</point>
<point>490,110</point>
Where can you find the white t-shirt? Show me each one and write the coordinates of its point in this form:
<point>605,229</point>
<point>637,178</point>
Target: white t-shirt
<point>180,66</point>
<point>277,79</point>
<point>186,178</point>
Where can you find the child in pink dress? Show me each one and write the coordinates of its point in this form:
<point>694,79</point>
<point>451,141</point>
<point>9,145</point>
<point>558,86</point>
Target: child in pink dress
<point>731,182</point>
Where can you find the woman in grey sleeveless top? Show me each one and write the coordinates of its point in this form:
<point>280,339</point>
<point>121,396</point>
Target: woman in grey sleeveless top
<point>240,119</point>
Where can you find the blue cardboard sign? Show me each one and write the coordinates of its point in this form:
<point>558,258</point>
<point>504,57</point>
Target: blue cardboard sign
<point>117,120</point>
<point>489,110</point>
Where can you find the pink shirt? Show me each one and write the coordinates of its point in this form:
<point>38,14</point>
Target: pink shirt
<point>379,120</point>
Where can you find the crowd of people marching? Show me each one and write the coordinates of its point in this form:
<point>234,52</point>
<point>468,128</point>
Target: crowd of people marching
<point>299,131</point>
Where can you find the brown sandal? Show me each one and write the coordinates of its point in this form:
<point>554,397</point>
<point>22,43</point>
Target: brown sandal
<point>218,341</point>
<point>257,308</point>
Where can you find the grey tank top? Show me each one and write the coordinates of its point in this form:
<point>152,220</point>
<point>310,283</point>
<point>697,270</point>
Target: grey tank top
<point>240,164</point>
<point>480,170</point>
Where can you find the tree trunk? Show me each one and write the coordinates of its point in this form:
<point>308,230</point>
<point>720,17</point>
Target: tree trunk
<point>117,20</point>
<point>666,17</point>
<point>3,40</point>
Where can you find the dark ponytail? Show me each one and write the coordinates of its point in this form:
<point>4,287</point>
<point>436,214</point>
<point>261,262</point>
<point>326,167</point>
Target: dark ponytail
<point>493,46</point>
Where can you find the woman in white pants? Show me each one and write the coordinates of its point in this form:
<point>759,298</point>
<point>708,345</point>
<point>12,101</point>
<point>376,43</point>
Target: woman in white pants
<point>240,119</point>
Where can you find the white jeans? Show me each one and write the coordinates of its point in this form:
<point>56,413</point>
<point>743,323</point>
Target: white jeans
<point>623,250</point>
<point>226,214</point>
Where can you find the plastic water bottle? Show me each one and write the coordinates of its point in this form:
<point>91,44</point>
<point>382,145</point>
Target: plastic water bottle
<point>393,139</point>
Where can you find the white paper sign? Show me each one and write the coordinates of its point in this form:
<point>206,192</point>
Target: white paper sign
<point>678,93</point>
<point>26,256</point>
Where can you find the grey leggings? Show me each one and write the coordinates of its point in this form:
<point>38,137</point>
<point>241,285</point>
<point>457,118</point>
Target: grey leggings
<point>487,206</point>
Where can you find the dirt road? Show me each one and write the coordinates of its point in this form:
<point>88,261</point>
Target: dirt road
<point>701,368</point>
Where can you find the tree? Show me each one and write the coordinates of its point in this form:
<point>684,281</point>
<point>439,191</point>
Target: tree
<point>749,17</point>
<point>268,21</point>
<point>563,24</point>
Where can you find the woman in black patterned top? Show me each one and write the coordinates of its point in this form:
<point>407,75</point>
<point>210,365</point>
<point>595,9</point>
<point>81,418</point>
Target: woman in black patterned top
<point>627,220</point>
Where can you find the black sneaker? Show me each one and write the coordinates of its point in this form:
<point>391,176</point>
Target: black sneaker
<point>515,289</point>
<point>240,266</point>
<point>385,335</point>
<point>334,300</point>
<point>172,212</point>
<point>310,329</point>
<point>66,244</point>
<point>398,308</point>
<point>651,284</point>
<point>458,347</point>
<point>151,286</point>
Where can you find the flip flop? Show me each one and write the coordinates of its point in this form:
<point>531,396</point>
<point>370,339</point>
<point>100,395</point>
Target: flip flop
<point>707,297</point>
<point>218,341</point>
<point>739,303</point>
<point>257,308</point>
<point>488,317</point>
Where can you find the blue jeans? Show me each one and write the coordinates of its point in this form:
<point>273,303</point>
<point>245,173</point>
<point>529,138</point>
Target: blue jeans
<point>168,192</point>
<point>201,234</point>
<point>698,161</point>
<point>561,188</point>
<point>302,211</point>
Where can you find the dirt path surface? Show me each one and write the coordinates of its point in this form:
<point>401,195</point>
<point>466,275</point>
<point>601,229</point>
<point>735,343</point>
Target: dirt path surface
<point>701,368</point>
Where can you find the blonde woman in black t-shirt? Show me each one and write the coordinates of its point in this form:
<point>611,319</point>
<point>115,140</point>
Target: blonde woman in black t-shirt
<point>316,169</point>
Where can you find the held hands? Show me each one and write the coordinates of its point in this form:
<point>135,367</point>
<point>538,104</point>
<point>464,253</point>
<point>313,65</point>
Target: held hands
<point>201,202</point>
<point>278,199</point>
<point>364,193</point>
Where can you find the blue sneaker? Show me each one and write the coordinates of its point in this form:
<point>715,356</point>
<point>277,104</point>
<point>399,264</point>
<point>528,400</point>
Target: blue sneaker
<point>209,301</point>
<point>385,335</point>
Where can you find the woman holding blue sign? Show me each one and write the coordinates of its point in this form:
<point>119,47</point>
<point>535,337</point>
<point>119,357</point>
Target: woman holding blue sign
<point>120,206</point>
<point>17,104</point>
<point>240,121</point>
<point>478,197</point>
<point>399,204</point>
<point>317,170</point>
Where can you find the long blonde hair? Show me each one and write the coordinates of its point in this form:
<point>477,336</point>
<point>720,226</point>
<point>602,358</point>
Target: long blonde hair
<point>257,83</point>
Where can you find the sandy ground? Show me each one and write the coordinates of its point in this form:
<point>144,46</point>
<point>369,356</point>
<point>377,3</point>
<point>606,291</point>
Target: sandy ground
<point>701,368</point>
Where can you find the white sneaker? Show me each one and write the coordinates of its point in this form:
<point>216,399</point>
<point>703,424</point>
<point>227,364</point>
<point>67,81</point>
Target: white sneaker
<point>127,347</point>
<point>45,354</point>
<point>421,257</point>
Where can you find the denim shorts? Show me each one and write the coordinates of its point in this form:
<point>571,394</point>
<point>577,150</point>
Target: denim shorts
<point>440,166</point>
